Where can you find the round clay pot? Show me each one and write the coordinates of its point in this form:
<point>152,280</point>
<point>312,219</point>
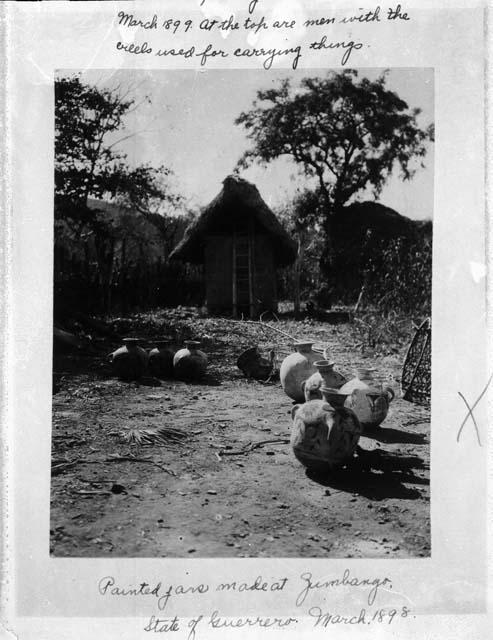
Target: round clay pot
<point>324,376</point>
<point>296,368</point>
<point>323,437</point>
<point>363,379</point>
<point>130,361</point>
<point>189,363</point>
<point>368,399</point>
<point>161,359</point>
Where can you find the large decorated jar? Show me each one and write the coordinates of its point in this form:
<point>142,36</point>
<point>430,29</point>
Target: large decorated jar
<point>369,400</point>
<point>296,368</point>
<point>323,437</point>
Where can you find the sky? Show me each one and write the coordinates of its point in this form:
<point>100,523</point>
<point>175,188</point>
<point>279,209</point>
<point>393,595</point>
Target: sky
<point>189,127</point>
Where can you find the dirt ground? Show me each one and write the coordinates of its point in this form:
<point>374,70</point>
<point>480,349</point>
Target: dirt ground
<point>213,493</point>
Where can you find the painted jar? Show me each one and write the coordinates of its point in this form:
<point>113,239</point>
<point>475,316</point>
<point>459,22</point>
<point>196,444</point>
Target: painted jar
<point>161,359</point>
<point>324,376</point>
<point>190,363</point>
<point>296,368</point>
<point>369,400</point>
<point>130,361</point>
<point>333,396</point>
<point>323,437</point>
<point>363,379</point>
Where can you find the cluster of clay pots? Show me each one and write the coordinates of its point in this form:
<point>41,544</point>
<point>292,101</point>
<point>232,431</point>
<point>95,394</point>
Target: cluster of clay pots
<point>336,411</point>
<point>132,362</point>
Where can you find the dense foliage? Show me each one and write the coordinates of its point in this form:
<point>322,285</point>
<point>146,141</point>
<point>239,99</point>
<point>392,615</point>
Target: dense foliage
<point>385,274</point>
<point>398,275</point>
<point>300,217</point>
<point>87,160</point>
<point>346,132</point>
<point>101,248</point>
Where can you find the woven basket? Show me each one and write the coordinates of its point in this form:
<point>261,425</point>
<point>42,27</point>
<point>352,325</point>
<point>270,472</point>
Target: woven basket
<point>416,372</point>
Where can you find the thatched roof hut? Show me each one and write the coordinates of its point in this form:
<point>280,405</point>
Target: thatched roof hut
<point>241,243</point>
<point>238,203</point>
<point>384,221</point>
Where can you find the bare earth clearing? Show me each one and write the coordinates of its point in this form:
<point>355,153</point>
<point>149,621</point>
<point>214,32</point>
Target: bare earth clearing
<point>204,497</point>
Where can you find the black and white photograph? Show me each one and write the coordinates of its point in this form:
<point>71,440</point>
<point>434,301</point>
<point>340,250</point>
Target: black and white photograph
<point>245,373</point>
<point>242,278</point>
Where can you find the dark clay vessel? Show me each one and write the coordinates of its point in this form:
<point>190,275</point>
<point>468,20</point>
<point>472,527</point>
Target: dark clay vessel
<point>130,361</point>
<point>161,360</point>
<point>190,363</point>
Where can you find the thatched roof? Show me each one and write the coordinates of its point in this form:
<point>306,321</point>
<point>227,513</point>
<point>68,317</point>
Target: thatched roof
<point>238,202</point>
<point>375,216</point>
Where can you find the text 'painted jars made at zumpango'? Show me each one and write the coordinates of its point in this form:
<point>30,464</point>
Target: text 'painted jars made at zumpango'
<point>369,400</point>
<point>323,437</point>
<point>190,363</point>
<point>326,376</point>
<point>130,361</point>
<point>296,368</point>
<point>161,359</point>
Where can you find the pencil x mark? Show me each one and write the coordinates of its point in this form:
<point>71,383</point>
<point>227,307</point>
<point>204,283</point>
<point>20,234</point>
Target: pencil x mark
<point>470,413</point>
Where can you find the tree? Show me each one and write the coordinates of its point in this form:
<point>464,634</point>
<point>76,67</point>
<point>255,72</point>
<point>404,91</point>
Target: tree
<point>87,162</point>
<point>346,132</point>
<point>89,165</point>
<point>300,217</point>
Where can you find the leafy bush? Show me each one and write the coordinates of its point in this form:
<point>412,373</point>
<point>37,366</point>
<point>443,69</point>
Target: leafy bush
<point>398,276</point>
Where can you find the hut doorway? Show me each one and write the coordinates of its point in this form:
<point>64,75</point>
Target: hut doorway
<point>242,275</point>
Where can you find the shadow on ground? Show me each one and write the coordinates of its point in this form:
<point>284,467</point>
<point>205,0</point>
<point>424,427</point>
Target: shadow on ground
<point>396,436</point>
<point>376,475</point>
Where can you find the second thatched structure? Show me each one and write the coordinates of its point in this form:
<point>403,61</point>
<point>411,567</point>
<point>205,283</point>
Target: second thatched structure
<point>241,243</point>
